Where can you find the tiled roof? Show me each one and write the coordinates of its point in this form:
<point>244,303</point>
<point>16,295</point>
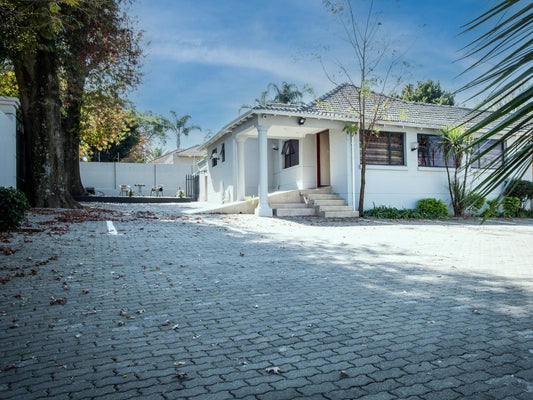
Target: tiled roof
<point>342,103</point>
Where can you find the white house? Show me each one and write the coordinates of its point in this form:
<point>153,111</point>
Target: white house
<point>187,157</point>
<point>279,147</point>
<point>8,141</point>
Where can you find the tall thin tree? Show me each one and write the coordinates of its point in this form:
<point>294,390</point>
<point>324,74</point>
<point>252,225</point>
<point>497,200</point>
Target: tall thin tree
<point>374,64</point>
<point>179,125</point>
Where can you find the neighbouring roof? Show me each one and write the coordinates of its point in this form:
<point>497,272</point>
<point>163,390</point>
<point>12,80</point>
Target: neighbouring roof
<point>341,104</point>
<point>193,151</point>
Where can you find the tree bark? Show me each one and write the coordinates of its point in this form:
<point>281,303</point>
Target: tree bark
<point>47,177</point>
<point>363,179</point>
<point>71,131</point>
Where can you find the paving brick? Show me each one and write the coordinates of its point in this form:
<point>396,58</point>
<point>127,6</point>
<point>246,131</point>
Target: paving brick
<point>314,317</point>
<point>412,390</point>
<point>251,390</point>
<point>284,394</point>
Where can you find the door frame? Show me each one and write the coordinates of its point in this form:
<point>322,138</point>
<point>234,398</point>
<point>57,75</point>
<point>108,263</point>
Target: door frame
<point>318,158</point>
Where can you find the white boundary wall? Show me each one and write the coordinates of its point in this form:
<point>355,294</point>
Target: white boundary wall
<point>107,177</point>
<point>8,141</point>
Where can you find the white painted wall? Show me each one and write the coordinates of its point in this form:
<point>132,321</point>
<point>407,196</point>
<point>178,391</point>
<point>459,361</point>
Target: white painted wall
<point>221,188</point>
<point>301,176</point>
<point>338,144</point>
<point>8,141</point>
<point>107,177</point>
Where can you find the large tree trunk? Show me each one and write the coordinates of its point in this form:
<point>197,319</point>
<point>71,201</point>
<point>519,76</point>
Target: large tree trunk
<point>47,176</point>
<point>71,131</point>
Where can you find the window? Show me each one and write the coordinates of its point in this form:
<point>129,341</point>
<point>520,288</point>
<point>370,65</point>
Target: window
<point>291,153</point>
<point>493,159</point>
<point>223,152</point>
<point>214,157</point>
<point>429,153</point>
<point>386,148</point>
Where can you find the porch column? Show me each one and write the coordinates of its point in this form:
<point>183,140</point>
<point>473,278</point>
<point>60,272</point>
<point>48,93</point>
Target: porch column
<point>241,193</point>
<point>263,209</point>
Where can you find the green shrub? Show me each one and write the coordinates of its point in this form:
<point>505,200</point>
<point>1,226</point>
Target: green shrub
<point>525,214</point>
<point>521,189</point>
<point>511,206</point>
<point>392,213</point>
<point>475,203</point>
<point>432,208</point>
<point>493,209</point>
<point>13,204</point>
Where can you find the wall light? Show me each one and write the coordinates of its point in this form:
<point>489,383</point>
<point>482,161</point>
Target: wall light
<point>414,146</point>
<point>301,121</point>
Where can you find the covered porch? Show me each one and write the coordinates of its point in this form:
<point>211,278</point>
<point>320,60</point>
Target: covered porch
<point>279,153</point>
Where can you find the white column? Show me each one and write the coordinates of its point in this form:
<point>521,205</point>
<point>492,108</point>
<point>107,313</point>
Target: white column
<point>263,209</point>
<point>241,192</point>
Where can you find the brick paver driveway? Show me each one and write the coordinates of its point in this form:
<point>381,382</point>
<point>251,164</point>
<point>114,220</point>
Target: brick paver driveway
<point>175,307</point>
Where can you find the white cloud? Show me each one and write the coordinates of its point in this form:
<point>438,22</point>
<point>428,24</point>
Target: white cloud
<point>274,61</point>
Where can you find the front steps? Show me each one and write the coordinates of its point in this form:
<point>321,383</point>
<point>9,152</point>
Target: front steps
<point>315,202</point>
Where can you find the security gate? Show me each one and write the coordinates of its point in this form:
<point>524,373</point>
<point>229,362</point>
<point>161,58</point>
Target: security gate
<point>193,187</point>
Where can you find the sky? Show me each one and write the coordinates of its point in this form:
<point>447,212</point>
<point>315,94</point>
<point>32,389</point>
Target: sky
<point>208,58</point>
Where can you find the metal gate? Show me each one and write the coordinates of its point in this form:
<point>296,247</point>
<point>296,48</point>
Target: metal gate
<point>193,187</point>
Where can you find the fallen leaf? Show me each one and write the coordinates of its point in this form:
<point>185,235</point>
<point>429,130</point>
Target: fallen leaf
<point>166,323</point>
<point>241,254</point>
<point>139,311</point>
<point>344,374</point>
<point>120,323</point>
<point>175,327</point>
<point>181,375</point>
<point>59,300</point>
<point>9,366</point>
<point>85,291</point>
<point>476,312</point>
<point>273,370</point>
<point>179,363</point>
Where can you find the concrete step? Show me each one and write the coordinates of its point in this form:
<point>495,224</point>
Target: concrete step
<point>322,196</point>
<point>294,212</point>
<point>324,189</point>
<point>338,214</point>
<point>328,202</point>
<point>288,205</point>
<point>334,208</point>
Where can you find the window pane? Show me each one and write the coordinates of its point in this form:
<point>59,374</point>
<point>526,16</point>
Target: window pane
<point>396,157</point>
<point>429,154</point>
<point>291,153</point>
<point>493,159</point>
<point>385,149</point>
<point>377,151</point>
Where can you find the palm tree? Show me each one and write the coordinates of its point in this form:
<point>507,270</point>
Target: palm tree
<point>507,87</point>
<point>288,93</point>
<point>179,126</point>
<point>455,148</point>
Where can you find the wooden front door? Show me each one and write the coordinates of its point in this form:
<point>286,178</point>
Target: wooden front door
<point>322,159</point>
